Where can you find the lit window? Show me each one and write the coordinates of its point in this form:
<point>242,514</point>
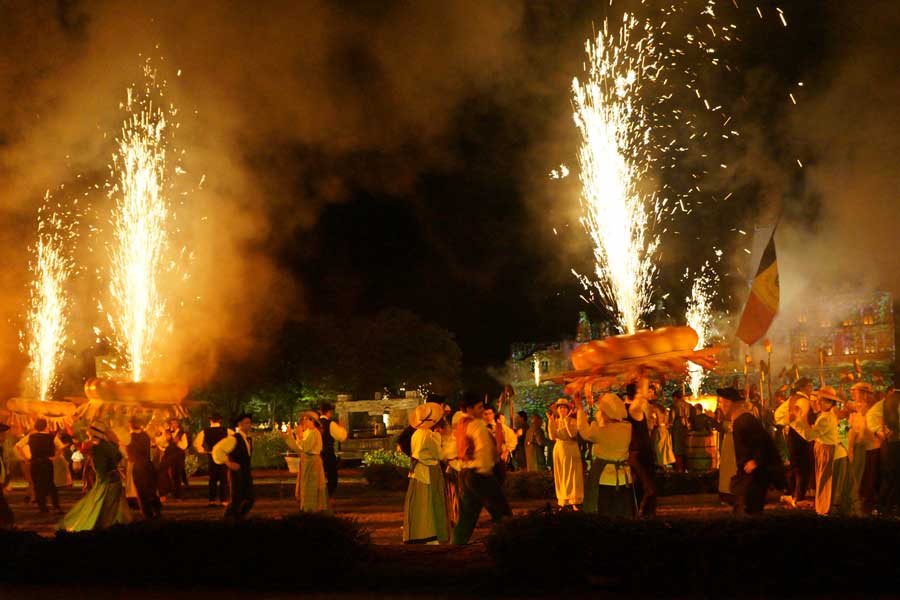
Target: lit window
<point>871,347</point>
<point>545,366</point>
<point>825,323</point>
<point>868,318</point>
<point>847,322</point>
<point>804,343</point>
<point>829,350</point>
<point>851,346</point>
<point>802,318</point>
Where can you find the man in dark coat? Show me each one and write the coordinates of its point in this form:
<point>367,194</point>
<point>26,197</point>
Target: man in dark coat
<point>758,462</point>
<point>142,471</point>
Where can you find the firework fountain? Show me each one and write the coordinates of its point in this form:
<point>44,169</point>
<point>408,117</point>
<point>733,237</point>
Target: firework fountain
<point>140,221</point>
<point>614,157</point>
<point>139,253</point>
<point>699,317</point>
<point>45,336</point>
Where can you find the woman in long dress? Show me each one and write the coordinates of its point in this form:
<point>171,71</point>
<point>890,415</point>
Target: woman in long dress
<point>311,490</point>
<point>535,441</point>
<point>568,472</point>
<point>662,439</point>
<point>727,459</point>
<point>609,490</point>
<point>105,504</point>
<point>425,516</point>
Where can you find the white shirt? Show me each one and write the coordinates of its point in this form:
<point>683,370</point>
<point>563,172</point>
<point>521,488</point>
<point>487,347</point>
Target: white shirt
<point>485,456</point>
<point>875,422</point>
<point>226,445</point>
<point>426,449</point>
<point>162,442</point>
<point>201,437</point>
<point>611,441</point>
<point>824,430</point>
<point>337,432</point>
<point>801,405</point>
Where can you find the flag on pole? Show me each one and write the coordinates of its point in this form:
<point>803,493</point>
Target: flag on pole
<point>762,305</point>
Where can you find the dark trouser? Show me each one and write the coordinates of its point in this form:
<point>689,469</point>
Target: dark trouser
<point>802,464</point>
<point>750,492</point>
<point>330,464</point>
<point>171,472</point>
<point>218,481</point>
<point>478,491</point>
<point>242,498</point>
<point>889,497</point>
<point>841,494</point>
<point>868,489</point>
<point>615,501</point>
<point>643,469</point>
<point>6,516</point>
<point>144,476</point>
<point>42,475</point>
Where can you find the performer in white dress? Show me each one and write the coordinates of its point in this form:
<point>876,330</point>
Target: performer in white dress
<point>568,472</point>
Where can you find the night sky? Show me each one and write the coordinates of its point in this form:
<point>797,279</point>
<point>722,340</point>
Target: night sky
<point>360,156</point>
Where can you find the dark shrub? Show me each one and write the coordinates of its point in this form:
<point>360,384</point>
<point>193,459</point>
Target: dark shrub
<point>268,451</point>
<point>675,484</point>
<point>194,553</point>
<point>717,557</point>
<point>386,477</point>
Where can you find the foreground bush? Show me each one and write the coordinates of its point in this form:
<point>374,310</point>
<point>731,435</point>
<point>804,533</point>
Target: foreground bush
<point>719,557</point>
<point>305,551</point>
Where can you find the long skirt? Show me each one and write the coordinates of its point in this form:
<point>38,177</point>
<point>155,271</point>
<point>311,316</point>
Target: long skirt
<point>425,510</point>
<point>824,454</point>
<point>311,490</point>
<point>854,477</point>
<point>727,463</point>
<point>103,506</point>
<point>662,445</point>
<point>452,485</point>
<point>568,473</point>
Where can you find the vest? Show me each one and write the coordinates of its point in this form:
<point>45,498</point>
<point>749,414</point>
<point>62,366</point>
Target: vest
<point>640,435</point>
<point>139,447</point>
<point>241,453</point>
<point>327,440</point>
<point>212,435</point>
<point>42,446</point>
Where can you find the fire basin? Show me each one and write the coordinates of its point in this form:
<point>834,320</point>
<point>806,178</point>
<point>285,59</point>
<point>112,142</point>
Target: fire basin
<point>118,399</point>
<point>24,412</point>
<point>106,390</point>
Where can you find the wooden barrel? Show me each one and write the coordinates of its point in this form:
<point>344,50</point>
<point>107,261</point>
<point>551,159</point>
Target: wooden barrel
<point>701,451</point>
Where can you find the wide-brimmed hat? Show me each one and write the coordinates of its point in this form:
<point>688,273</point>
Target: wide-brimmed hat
<point>729,393</point>
<point>862,386</point>
<point>560,402</point>
<point>826,392</point>
<point>99,430</point>
<point>426,416</point>
<point>612,406</point>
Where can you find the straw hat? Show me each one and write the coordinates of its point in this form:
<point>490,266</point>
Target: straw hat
<point>426,416</point>
<point>826,392</point>
<point>612,406</point>
<point>560,402</point>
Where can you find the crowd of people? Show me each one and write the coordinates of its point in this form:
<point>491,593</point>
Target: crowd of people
<point>126,468</point>
<point>605,455</point>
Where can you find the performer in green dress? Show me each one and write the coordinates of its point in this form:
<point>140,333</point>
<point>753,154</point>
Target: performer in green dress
<point>425,516</point>
<point>105,504</point>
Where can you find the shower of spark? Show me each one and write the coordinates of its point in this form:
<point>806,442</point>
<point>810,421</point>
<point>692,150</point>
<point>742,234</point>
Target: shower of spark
<point>699,317</point>
<point>48,304</point>
<point>140,221</point>
<point>615,153</point>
